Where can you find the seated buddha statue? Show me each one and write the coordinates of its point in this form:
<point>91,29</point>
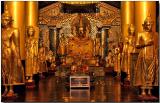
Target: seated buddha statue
<point>80,44</point>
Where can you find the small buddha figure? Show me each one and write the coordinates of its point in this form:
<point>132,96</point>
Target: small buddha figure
<point>109,59</point>
<point>31,54</point>
<point>50,60</point>
<point>42,60</point>
<point>12,69</point>
<point>129,47</point>
<point>62,45</point>
<point>117,61</point>
<point>97,46</point>
<point>46,40</point>
<point>145,69</point>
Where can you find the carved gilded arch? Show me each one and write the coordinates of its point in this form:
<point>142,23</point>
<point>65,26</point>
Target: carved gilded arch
<point>108,16</point>
<point>52,15</point>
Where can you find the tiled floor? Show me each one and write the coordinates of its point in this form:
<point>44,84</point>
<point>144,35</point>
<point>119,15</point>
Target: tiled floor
<point>52,90</point>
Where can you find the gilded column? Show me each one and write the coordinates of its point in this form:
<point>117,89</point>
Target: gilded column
<point>127,16</point>
<point>32,16</point>
<point>17,11</point>
<point>142,10</point>
<point>103,42</point>
<point>53,33</point>
<point>55,39</point>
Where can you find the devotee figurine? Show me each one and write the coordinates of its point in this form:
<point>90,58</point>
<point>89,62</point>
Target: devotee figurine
<point>12,69</point>
<point>145,69</point>
<point>31,55</point>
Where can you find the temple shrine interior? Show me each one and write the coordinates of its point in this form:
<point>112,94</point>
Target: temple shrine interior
<point>79,51</point>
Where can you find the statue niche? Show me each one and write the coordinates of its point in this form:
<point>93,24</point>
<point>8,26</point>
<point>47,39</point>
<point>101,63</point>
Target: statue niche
<point>80,44</point>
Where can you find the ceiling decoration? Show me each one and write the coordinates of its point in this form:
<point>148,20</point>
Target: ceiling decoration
<point>52,15</point>
<point>43,4</point>
<point>79,2</point>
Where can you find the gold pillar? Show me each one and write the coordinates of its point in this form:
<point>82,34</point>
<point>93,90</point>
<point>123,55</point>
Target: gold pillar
<point>17,11</point>
<point>142,10</point>
<point>127,16</point>
<point>32,15</point>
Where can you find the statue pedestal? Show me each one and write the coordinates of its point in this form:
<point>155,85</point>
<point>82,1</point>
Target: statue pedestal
<point>147,98</point>
<point>30,84</point>
<point>10,95</point>
<point>126,83</point>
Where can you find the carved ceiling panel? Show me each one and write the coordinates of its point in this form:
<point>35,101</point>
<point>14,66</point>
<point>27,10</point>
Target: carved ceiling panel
<point>51,14</point>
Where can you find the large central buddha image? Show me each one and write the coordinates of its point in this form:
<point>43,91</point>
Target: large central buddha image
<point>81,44</point>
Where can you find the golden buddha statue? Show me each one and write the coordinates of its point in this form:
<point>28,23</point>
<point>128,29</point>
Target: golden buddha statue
<point>129,47</point>
<point>31,54</point>
<point>109,59</point>
<point>145,70</point>
<point>62,45</point>
<point>80,44</point>
<point>97,45</point>
<point>42,60</point>
<point>46,40</point>
<point>12,69</point>
<point>117,61</point>
<point>51,60</point>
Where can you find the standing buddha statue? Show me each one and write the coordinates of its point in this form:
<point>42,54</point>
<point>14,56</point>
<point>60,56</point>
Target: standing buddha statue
<point>42,60</point>
<point>12,69</point>
<point>117,61</point>
<point>145,69</point>
<point>31,54</point>
<point>129,47</point>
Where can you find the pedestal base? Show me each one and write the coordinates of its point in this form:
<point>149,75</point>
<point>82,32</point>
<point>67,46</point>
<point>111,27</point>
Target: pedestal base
<point>118,78</point>
<point>126,83</point>
<point>42,76</point>
<point>51,71</point>
<point>30,85</point>
<point>10,96</point>
<point>147,98</point>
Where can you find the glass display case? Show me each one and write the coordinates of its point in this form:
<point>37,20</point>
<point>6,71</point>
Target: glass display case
<point>79,82</point>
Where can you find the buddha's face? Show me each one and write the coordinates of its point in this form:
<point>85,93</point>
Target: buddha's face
<point>6,21</point>
<point>30,31</point>
<point>148,26</point>
<point>131,30</point>
<point>81,30</point>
